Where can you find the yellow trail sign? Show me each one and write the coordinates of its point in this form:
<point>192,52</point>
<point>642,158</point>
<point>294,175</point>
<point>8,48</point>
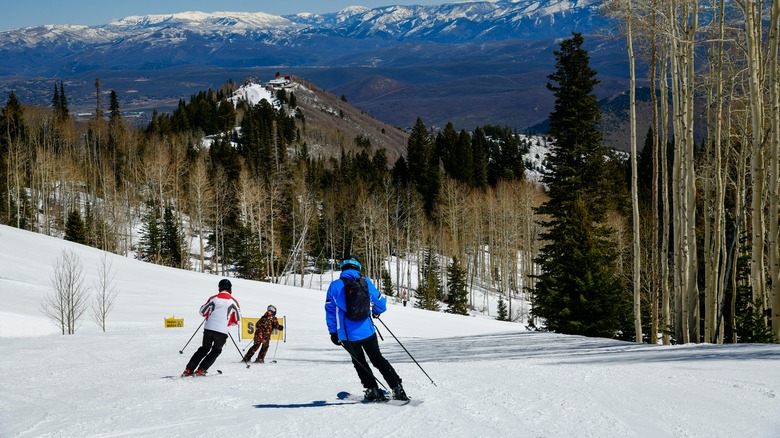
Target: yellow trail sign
<point>173,322</point>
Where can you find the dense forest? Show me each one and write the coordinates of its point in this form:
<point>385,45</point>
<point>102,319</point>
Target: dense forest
<point>678,244</point>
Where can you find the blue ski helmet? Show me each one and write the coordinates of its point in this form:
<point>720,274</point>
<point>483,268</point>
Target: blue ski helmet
<point>351,262</point>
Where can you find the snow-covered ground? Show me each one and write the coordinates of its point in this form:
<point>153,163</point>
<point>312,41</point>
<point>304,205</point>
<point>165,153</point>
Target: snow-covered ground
<point>491,378</point>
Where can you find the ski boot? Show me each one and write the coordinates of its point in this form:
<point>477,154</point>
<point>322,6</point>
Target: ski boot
<point>186,373</point>
<point>374,395</point>
<point>201,372</point>
<point>259,361</point>
<point>399,393</point>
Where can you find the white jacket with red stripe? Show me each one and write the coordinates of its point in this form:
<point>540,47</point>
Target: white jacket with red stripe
<point>221,311</point>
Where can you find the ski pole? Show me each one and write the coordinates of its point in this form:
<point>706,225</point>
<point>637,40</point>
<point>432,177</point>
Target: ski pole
<point>407,351</point>
<point>275,348</point>
<point>277,341</point>
<point>239,351</point>
<point>193,335</point>
<point>375,315</point>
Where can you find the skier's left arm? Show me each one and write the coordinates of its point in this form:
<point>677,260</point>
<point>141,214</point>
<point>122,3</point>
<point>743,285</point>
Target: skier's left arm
<point>377,299</point>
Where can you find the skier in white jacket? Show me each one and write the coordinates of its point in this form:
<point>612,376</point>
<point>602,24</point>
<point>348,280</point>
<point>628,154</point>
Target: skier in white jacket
<point>221,311</point>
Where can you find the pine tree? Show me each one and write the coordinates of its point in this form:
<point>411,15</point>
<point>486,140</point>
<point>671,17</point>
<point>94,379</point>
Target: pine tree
<point>115,115</point>
<point>423,165</point>
<point>171,244</point>
<point>430,289</point>
<point>456,279</point>
<point>75,230</point>
<point>387,283</point>
<point>249,261</point>
<point>580,290</point>
<point>150,245</point>
<point>63,106</point>
<point>479,147</point>
<point>55,101</point>
<point>503,314</point>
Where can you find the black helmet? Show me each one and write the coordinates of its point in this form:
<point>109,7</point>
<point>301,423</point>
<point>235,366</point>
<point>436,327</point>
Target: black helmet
<point>224,284</point>
<point>351,262</point>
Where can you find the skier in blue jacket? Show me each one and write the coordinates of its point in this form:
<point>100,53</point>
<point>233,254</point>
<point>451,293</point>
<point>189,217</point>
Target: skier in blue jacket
<point>358,337</point>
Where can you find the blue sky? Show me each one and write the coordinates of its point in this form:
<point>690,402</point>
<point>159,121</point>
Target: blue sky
<point>24,13</point>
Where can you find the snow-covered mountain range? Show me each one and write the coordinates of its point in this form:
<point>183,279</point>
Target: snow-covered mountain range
<point>219,38</point>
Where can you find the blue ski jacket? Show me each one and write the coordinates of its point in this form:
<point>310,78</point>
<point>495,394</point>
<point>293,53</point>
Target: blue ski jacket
<point>336,305</point>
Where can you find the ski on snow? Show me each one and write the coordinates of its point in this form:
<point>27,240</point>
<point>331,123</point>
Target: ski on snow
<point>217,373</point>
<point>344,395</point>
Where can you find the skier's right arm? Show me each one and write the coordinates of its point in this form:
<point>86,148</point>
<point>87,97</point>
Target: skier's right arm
<point>206,309</point>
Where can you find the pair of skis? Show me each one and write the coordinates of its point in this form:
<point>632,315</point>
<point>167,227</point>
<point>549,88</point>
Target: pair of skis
<point>344,395</point>
<point>215,373</point>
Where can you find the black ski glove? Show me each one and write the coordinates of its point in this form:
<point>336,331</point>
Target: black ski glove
<point>334,337</point>
<point>375,315</point>
<point>281,327</point>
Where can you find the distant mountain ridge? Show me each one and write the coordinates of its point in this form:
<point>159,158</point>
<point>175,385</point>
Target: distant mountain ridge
<point>471,63</point>
<point>444,24</point>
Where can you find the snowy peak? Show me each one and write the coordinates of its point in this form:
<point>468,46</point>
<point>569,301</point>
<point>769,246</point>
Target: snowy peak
<point>246,20</point>
<point>446,23</point>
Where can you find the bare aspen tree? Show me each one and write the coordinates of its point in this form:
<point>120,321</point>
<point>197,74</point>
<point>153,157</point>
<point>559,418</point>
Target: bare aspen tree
<point>715,189</point>
<point>69,299</point>
<point>752,12</point>
<point>624,10</point>
<point>774,165</point>
<point>105,292</point>
<point>634,185</point>
<point>683,19</point>
<point>272,208</point>
<point>201,202</point>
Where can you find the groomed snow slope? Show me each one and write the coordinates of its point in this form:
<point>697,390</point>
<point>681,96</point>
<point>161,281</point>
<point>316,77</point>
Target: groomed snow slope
<point>492,379</point>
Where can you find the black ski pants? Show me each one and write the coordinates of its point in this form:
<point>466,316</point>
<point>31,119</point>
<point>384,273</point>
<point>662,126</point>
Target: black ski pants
<point>370,346</point>
<point>208,352</point>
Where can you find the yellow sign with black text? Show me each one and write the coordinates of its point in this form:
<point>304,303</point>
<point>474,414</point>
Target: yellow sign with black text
<point>248,324</point>
<point>174,322</point>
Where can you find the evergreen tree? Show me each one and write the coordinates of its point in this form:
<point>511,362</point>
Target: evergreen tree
<point>115,115</point>
<point>249,260</point>
<point>427,293</point>
<point>171,242</point>
<point>423,165</point>
<point>75,230</point>
<point>479,147</point>
<point>150,244</point>
<point>55,101</point>
<point>63,106</point>
<point>580,290</point>
<point>505,154</point>
<point>430,291</point>
<point>503,313</point>
<point>387,283</point>
<point>456,279</point>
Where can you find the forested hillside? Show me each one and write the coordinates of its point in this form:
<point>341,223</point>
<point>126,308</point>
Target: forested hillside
<point>278,192</point>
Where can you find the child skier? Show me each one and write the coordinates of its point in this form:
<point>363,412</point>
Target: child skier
<point>265,325</point>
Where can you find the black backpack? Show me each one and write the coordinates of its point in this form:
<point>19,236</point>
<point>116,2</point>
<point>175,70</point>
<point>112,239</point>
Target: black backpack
<point>356,296</point>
